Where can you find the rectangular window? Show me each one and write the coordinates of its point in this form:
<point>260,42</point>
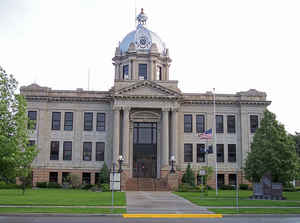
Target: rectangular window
<point>53,177</point>
<point>188,153</point>
<point>55,120</point>
<point>88,121</point>
<point>68,126</point>
<point>231,124</point>
<point>158,73</point>
<point>32,120</point>
<point>200,153</point>
<point>188,123</point>
<point>219,124</point>
<point>54,150</point>
<point>142,71</point>
<point>97,178</point>
<point>231,153</point>
<point>100,122</point>
<point>67,152</point>
<point>200,123</point>
<point>125,72</point>
<point>100,148</point>
<point>220,153</point>
<point>253,123</point>
<point>221,179</point>
<point>232,179</point>
<point>65,177</point>
<point>87,151</point>
<point>86,178</point>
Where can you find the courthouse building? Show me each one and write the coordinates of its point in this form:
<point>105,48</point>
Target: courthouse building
<point>145,118</point>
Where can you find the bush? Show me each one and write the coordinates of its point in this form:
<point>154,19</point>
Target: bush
<point>188,188</point>
<point>244,186</point>
<point>4,185</point>
<point>87,186</point>
<point>105,187</point>
<point>75,180</point>
<point>226,187</point>
<point>189,176</point>
<point>42,184</point>
<point>53,185</point>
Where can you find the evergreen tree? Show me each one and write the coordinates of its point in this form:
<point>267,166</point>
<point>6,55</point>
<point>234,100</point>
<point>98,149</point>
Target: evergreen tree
<point>272,151</point>
<point>104,175</point>
<point>16,155</point>
<point>189,176</point>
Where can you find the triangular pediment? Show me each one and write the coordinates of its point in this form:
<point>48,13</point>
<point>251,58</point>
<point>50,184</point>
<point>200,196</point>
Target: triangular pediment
<point>147,88</point>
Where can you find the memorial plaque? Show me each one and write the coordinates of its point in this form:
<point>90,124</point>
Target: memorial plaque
<point>277,189</point>
<point>267,184</point>
<point>258,189</point>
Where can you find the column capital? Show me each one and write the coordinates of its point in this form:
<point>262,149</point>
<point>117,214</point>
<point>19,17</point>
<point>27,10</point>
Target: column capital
<point>115,108</point>
<point>175,109</point>
<point>126,108</point>
<point>165,109</point>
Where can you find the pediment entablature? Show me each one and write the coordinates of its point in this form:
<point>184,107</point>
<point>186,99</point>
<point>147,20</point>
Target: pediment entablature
<point>147,89</point>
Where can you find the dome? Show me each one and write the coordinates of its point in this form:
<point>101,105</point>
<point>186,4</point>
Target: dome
<point>142,37</point>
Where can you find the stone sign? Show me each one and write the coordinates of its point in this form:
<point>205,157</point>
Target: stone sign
<point>266,189</point>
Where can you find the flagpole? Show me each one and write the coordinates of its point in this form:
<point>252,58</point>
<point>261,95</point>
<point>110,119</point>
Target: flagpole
<point>215,139</point>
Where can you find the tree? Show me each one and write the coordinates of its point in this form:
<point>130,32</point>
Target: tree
<point>296,138</point>
<point>16,155</point>
<point>189,176</point>
<point>104,175</point>
<point>272,151</point>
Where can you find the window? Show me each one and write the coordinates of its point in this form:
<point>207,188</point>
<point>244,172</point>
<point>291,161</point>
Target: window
<point>31,142</point>
<point>65,177</point>
<point>220,153</point>
<point>219,124</point>
<point>55,120</point>
<point>200,123</point>
<point>53,177</point>
<point>87,151</point>
<point>144,133</point>
<point>253,123</point>
<point>100,122</point>
<point>231,124</point>
<point>188,152</point>
<point>67,152</point>
<point>100,148</point>
<point>188,126</point>
<point>97,178</point>
<point>200,153</point>
<point>143,71</point>
<point>158,73</point>
<point>221,179</point>
<point>32,120</point>
<point>86,178</point>
<point>231,153</point>
<point>88,121</point>
<point>125,72</point>
<point>54,150</point>
<point>232,179</point>
<point>68,121</point>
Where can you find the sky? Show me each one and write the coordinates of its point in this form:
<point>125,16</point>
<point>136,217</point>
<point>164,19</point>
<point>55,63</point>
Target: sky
<point>229,45</point>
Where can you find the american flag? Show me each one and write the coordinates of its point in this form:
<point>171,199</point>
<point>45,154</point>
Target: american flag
<point>206,135</point>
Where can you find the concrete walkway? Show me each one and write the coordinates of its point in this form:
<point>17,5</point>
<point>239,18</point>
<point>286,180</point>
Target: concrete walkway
<point>160,202</point>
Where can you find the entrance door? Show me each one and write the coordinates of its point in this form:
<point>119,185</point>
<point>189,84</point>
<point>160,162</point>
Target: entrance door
<point>144,149</point>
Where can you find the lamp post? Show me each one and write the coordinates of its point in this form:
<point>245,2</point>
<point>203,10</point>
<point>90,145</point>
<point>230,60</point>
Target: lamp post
<point>120,160</point>
<point>172,164</point>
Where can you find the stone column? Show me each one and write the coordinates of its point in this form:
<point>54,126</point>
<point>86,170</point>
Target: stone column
<point>116,136</point>
<point>126,136</point>
<point>173,147</point>
<point>165,139</point>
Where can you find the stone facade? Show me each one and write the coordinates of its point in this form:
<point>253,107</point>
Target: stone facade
<point>151,98</point>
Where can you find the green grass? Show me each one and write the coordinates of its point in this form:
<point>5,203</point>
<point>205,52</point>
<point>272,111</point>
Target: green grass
<point>256,210</point>
<point>65,197</point>
<point>227,198</point>
<point>63,210</point>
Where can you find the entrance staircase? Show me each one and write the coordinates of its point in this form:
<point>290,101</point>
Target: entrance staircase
<point>146,184</point>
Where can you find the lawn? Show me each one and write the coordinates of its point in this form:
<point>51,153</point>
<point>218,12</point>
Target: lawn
<point>10,210</point>
<point>255,210</point>
<point>227,198</point>
<point>64,197</point>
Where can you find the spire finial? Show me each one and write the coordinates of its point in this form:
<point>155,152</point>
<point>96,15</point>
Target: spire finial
<point>142,18</point>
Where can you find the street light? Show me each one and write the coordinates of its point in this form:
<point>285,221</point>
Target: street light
<point>172,164</point>
<point>120,160</point>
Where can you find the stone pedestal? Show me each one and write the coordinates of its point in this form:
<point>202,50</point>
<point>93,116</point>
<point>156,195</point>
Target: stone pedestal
<point>173,181</point>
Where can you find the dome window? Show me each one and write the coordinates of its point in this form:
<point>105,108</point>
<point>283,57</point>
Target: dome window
<point>158,73</point>
<point>142,71</point>
<point>125,72</point>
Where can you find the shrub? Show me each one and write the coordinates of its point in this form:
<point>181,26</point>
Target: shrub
<point>105,187</point>
<point>188,188</point>
<point>244,186</point>
<point>75,180</point>
<point>53,185</point>
<point>189,176</point>
<point>103,175</point>
<point>4,185</point>
<point>42,184</point>
<point>226,187</point>
<point>87,186</point>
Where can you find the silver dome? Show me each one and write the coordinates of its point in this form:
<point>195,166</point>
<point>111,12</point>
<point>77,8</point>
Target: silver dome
<point>130,38</point>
